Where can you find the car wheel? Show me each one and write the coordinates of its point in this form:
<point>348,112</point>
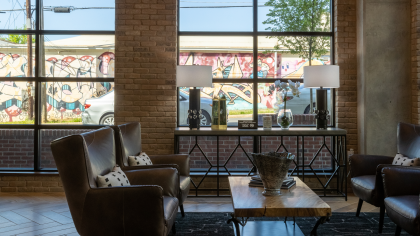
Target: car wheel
<point>206,120</point>
<point>107,120</point>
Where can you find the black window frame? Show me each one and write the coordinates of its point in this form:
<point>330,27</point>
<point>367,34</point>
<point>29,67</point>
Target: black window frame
<point>37,127</point>
<point>255,34</point>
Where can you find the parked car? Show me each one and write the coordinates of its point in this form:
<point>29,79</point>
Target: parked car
<point>99,110</point>
<point>205,105</point>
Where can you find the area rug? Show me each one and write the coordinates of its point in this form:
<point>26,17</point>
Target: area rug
<point>340,224</point>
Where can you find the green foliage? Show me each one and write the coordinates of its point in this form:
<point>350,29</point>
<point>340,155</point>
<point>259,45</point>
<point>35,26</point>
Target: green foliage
<point>300,16</point>
<point>18,38</point>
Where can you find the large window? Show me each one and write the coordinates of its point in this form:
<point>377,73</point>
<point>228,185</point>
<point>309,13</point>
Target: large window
<point>250,46</point>
<point>56,75</point>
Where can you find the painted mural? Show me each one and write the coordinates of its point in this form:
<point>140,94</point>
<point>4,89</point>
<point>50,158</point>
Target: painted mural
<point>65,100</point>
<point>240,66</point>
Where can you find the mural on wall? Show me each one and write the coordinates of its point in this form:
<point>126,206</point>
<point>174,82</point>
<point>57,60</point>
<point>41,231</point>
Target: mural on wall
<point>233,65</point>
<point>86,66</point>
<point>64,99</point>
<point>239,66</point>
<point>12,65</point>
<point>14,98</point>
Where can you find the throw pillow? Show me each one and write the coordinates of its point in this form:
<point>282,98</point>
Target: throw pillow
<point>140,160</point>
<point>113,179</point>
<point>400,160</point>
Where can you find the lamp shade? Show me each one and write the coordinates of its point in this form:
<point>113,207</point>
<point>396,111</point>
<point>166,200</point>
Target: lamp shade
<point>194,76</point>
<point>321,76</point>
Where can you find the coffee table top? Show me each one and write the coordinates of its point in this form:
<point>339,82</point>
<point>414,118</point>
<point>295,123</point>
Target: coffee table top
<point>298,201</point>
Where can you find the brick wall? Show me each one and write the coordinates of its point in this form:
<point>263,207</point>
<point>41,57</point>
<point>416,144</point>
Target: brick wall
<point>239,160</point>
<point>145,70</point>
<point>16,148</point>
<point>345,57</point>
<point>415,56</point>
<point>31,183</point>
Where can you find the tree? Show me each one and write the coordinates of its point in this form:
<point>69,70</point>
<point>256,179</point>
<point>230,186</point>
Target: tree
<point>17,38</point>
<point>300,16</point>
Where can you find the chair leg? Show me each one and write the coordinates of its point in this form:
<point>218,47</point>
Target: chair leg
<point>359,207</point>
<point>381,218</point>
<point>398,231</point>
<point>173,229</point>
<point>181,207</point>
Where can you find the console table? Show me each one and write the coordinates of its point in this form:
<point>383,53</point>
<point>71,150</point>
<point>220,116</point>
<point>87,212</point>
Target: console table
<point>337,149</point>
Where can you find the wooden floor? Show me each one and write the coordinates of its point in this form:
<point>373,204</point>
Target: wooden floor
<point>48,214</point>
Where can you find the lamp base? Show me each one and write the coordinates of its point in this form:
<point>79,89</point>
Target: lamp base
<point>321,109</point>
<point>194,113</point>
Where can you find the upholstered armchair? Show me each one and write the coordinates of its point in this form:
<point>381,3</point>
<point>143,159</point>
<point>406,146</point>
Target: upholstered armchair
<point>402,193</point>
<point>366,178</point>
<point>128,143</point>
<point>147,207</point>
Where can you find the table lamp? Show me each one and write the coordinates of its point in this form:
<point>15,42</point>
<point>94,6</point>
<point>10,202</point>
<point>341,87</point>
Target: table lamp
<point>194,76</point>
<point>321,77</point>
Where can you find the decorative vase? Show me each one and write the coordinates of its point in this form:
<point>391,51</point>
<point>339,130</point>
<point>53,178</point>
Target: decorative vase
<point>285,118</point>
<point>272,168</point>
<point>215,113</point>
<point>219,114</point>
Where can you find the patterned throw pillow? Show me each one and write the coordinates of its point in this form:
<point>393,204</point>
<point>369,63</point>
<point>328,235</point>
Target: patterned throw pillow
<point>113,179</point>
<point>140,160</point>
<point>400,160</point>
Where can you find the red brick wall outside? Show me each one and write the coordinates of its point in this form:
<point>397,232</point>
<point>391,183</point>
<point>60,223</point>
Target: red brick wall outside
<point>345,56</point>
<point>239,160</point>
<point>17,147</point>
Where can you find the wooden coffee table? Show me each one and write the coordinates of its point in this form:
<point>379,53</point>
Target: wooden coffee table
<point>299,201</point>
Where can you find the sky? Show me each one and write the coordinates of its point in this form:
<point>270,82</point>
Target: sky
<point>195,15</point>
<point>79,19</point>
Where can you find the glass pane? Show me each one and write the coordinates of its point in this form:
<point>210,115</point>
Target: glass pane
<point>77,103</point>
<point>79,15</point>
<point>17,148</point>
<point>14,54</point>
<point>48,135</point>
<point>294,16</point>
<point>204,15</point>
<point>298,101</point>
<point>285,56</point>
<point>230,57</point>
<point>238,98</point>
<point>17,102</point>
<point>86,56</point>
<point>14,15</point>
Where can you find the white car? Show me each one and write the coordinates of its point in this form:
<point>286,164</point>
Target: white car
<point>99,110</point>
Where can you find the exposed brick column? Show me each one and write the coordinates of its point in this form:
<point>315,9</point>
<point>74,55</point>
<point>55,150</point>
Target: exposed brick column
<point>415,58</point>
<point>345,57</point>
<point>145,70</point>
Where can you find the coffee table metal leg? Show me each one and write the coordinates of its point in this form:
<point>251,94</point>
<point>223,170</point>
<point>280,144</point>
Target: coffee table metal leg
<point>236,222</point>
<point>321,220</point>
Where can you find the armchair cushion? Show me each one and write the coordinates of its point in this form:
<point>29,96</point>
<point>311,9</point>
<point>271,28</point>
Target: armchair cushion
<point>140,160</point>
<point>167,178</point>
<point>401,160</point>
<point>403,210</point>
<point>364,187</point>
<point>113,179</point>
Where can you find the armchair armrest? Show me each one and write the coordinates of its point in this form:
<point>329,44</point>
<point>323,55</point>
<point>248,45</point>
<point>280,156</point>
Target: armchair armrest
<point>167,178</point>
<point>124,211</point>
<point>400,181</point>
<point>182,160</point>
<point>145,167</point>
<point>367,164</point>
